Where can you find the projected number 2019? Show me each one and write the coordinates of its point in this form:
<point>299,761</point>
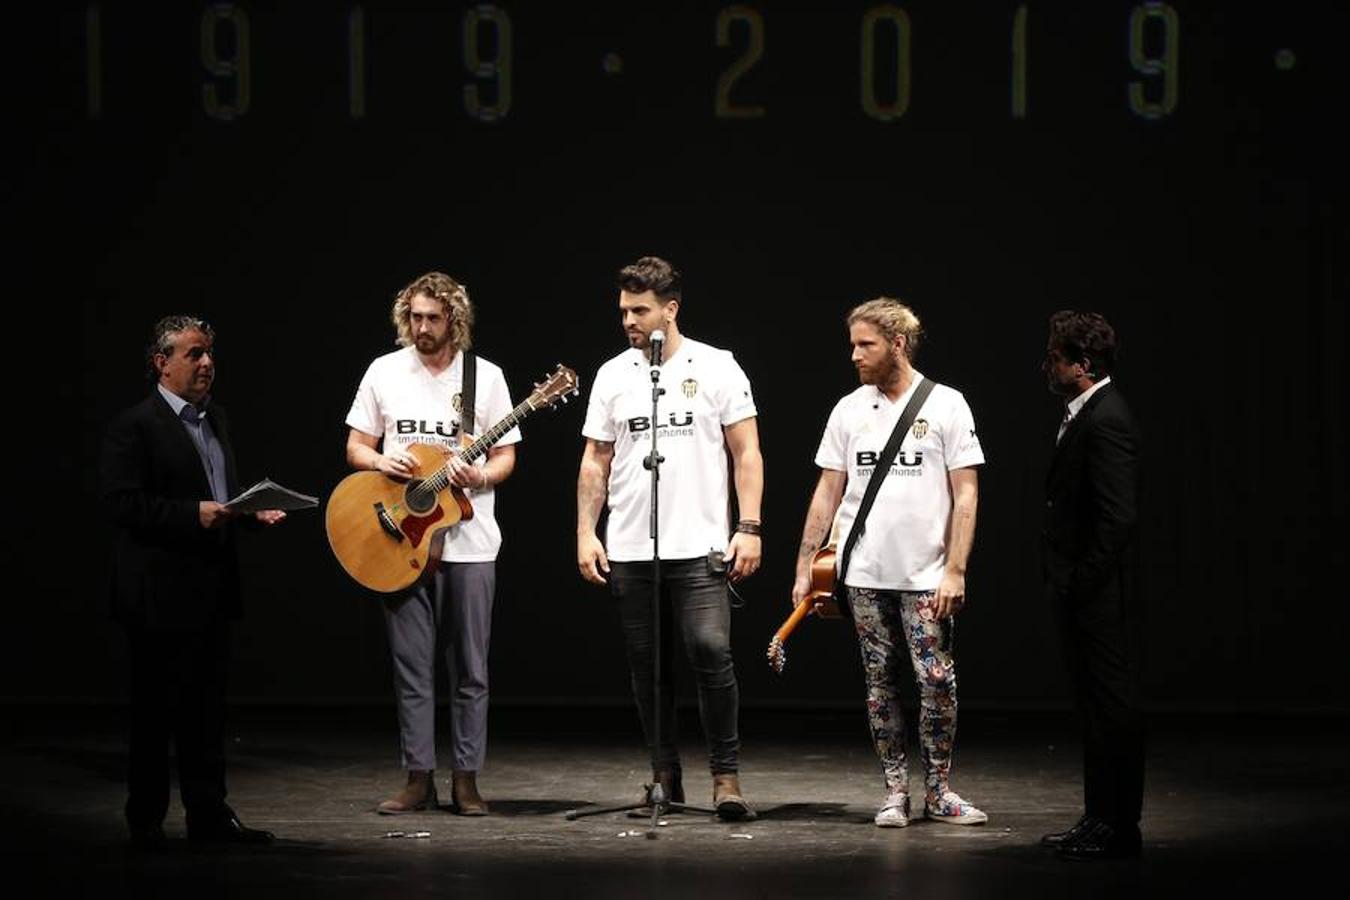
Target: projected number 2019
<point>886,36</point>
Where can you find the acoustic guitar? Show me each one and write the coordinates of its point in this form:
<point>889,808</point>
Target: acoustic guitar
<point>384,530</point>
<point>819,600</point>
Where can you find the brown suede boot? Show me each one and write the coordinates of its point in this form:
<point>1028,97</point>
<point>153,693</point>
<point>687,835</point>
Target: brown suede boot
<point>418,794</point>
<point>464,794</point>
<point>671,787</point>
<point>727,799</point>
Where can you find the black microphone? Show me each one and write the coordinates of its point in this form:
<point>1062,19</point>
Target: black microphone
<point>658,339</point>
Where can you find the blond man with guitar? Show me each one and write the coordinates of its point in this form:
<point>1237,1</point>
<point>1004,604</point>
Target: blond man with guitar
<point>905,565</point>
<point>409,403</point>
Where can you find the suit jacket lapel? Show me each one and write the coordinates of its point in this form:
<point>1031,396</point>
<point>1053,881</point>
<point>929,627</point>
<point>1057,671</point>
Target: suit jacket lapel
<point>1092,403</point>
<point>1075,428</point>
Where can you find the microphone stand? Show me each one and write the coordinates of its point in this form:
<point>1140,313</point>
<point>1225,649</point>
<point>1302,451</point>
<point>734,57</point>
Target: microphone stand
<point>655,793</point>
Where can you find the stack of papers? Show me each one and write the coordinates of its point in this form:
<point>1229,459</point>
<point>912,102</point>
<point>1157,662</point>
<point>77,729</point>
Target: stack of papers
<point>267,494</point>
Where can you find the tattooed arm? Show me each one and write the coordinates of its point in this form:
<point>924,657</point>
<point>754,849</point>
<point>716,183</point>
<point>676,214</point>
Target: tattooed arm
<point>592,488</point>
<point>819,517</point>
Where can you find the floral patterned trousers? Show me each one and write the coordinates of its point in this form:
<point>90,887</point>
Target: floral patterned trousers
<point>889,623</point>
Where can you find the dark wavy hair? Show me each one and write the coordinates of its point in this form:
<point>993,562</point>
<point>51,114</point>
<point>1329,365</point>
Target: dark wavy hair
<point>651,273</point>
<point>1085,337</point>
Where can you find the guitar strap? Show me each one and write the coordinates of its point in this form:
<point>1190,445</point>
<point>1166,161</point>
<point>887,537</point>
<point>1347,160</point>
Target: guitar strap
<point>883,466</point>
<point>466,392</point>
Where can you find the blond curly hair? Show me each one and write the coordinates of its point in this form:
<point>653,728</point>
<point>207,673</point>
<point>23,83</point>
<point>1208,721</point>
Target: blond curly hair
<point>455,303</point>
<point>891,318</point>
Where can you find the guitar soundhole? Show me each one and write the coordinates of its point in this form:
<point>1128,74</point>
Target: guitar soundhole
<point>420,502</point>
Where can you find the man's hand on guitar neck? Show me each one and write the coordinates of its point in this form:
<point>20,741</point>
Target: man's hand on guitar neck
<point>465,475</point>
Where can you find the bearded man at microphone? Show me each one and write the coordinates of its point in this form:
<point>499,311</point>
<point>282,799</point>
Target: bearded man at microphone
<point>705,412</point>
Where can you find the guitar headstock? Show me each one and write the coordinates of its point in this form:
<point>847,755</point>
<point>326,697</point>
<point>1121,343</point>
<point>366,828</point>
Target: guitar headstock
<point>777,655</point>
<point>560,385</point>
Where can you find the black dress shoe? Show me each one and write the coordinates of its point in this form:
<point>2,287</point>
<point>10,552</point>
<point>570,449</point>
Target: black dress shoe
<point>1103,841</point>
<point>1060,838</point>
<point>229,831</point>
<point>147,837</point>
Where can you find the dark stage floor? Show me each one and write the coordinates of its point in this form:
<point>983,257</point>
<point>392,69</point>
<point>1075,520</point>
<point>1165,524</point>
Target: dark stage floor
<point>1234,806</point>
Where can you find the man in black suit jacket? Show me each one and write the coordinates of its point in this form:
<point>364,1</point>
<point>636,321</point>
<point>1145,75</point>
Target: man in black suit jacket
<point>166,469</point>
<point>1091,516</point>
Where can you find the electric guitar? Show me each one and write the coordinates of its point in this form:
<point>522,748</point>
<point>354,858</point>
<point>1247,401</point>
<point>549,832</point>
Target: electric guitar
<point>819,600</point>
<point>384,531</point>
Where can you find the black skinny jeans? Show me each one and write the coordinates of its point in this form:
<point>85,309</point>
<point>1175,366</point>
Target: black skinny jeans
<point>699,599</point>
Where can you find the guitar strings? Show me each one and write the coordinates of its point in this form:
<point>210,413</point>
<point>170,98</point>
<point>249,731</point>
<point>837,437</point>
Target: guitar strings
<point>438,482</point>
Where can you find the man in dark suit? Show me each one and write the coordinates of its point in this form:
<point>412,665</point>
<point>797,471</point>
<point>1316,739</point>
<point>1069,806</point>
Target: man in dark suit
<point>1091,516</point>
<point>166,470</point>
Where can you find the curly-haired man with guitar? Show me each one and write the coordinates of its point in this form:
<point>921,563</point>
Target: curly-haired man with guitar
<point>410,403</point>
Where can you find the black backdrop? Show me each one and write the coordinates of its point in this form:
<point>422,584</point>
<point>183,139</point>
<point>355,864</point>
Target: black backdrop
<point>283,171</point>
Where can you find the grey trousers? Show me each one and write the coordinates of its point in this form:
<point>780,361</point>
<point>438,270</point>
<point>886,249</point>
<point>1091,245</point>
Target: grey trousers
<point>450,613</point>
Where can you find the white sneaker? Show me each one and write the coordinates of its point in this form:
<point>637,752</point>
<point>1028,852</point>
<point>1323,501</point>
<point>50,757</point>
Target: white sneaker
<point>894,813</point>
<point>950,808</point>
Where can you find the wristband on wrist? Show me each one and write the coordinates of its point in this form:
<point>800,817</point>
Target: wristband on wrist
<point>749,526</point>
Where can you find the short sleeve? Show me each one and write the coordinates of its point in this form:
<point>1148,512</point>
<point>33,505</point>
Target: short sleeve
<point>735,401</point>
<point>599,424</point>
<point>364,415</point>
<point>833,449</point>
<point>961,443</point>
<point>499,406</point>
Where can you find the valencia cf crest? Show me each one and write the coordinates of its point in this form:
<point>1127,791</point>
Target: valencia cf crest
<point>920,429</point>
<point>456,402</point>
<point>690,387</point>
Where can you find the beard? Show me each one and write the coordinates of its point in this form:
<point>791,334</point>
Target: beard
<point>429,344</point>
<point>879,375</point>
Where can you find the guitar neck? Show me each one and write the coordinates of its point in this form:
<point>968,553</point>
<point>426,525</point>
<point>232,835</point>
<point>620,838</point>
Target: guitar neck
<point>803,610</point>
<point>494,434</point>
<point>441,480</point>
